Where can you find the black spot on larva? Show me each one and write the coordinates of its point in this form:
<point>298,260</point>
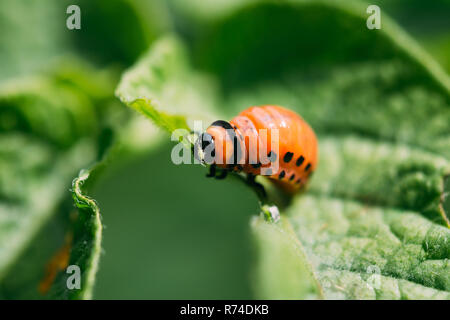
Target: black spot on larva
<point>292,177</point>
<point>288,157</point>
<point>282,174</point>
<point>298,181</point>
<point>239,167</point>
<point>272,156</point>
<point>256,165</point>
<point>300,161</point>
<point>308,166</point>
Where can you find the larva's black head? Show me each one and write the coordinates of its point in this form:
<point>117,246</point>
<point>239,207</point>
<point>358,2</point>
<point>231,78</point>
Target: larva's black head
<point>222,124</point>
<point>220,143</point>
<point>204,148</point>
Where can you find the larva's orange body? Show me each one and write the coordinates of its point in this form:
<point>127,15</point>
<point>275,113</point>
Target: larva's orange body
<point>285,150</point>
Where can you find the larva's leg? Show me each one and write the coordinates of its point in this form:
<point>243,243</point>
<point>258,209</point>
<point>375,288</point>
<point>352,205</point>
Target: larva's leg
<point>212,171</point>
<point>222,174</point>
<point>259,188</point>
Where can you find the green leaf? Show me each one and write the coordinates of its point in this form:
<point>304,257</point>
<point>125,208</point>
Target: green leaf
<point>110,39</point>
<point>58,115</point>
<point>383,174</point>
<point>374,222</point>
<point>49,129</point>
<point>86,248</point>
<point>162,87</point>
<point>355,252</point>
<point>33,34</point>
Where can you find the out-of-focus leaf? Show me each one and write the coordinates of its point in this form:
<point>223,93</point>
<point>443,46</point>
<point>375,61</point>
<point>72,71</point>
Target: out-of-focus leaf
<point>374,223</point>
<point>52,123</point>
<point>119,31</point>
<point>50,127</point>
<point>427,22</point>
<point>440,47</point>
<point>161,87</point>
<point>32,35</point>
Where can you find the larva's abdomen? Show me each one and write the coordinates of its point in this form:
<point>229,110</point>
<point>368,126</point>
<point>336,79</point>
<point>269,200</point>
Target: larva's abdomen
<point>297,154</point>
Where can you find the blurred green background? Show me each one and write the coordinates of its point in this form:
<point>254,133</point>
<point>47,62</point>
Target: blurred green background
<point>177,242</point>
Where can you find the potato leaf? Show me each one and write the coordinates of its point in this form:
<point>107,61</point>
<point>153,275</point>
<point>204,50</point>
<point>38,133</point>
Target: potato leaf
<point>58,115</point>
<point>49,129</point>
<point>162,87</point>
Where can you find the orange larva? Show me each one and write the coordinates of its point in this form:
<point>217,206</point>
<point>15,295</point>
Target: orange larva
<point>241,145</point>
